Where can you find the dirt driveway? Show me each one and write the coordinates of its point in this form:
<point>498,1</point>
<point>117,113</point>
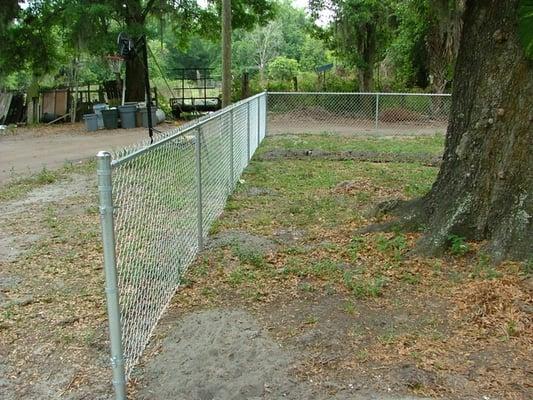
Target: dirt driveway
<point>28,150</point>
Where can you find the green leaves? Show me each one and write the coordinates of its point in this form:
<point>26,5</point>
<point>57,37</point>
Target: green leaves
<point>525,26</point>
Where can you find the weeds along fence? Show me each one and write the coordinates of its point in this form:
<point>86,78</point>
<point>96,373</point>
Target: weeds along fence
<point>157,203</point>
<point>358,113</point>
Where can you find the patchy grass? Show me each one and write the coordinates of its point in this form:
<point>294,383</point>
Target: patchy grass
<point>349,306</point>
<point>19,187</point>
<point>333,142</point>
<point>56,310</point>
<point>426,324</point>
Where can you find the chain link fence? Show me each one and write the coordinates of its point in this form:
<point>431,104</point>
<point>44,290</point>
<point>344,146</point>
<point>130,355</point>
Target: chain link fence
<point>157,203</point>
<point>358,113</point>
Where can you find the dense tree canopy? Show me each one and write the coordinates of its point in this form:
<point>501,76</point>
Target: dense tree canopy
<point>385,44</point>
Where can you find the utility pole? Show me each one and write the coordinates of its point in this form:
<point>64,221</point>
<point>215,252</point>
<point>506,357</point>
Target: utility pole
<point>226,52</point>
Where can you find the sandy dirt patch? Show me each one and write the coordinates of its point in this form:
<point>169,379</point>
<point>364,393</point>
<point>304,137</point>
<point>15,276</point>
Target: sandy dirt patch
<point>29,150</point>
<point>225,354</point>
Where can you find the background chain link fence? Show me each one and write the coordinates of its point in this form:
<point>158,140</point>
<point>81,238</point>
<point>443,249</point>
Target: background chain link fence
<point>358,113</point>
<point>157,203</point>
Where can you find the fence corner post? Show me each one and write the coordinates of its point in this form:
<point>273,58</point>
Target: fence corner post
<point>231,160</point>
<point>111,282</point>
<point>199,204</point>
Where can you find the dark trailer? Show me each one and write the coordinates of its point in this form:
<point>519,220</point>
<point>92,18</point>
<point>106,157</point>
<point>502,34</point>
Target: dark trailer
<point>196,93</point>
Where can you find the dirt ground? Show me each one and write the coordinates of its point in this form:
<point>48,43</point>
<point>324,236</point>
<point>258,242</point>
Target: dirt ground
<point>53,335</point>
<point>289,301</point>
<point>286,301</point>
<point>227,354</point>
<point>26,150</point>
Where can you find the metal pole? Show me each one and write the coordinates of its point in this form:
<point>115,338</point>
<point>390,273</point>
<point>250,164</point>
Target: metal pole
<point>147,87</point>
<point>231,161</point>
<point>111,289</point>
<point>377,111</point>
<point>258,122</point>
<point>248,128</point>
<point>198,153</point>
<point>266,114</point>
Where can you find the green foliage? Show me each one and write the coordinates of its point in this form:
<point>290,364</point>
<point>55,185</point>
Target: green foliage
<point>395,246</point>
<point>458,245</point>
<point>249,256</point>
<point>525,26</point>
<point>240,276</point>
<point>283,68</point>
<point>407,50</point>
<point>484,268</point>
<point>527,267</point>
<point>361,34</point>
<point>364,287</point>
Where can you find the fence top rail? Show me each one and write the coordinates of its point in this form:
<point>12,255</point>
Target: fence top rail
<point>182,130</point>
<point>362,93</point>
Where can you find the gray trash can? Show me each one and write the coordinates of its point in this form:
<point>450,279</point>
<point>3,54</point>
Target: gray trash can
<point>91,122</point>
<point>127,115</point>
<point>110,118</point>
<point>144,116</point>
<point>98,108</point>
<point>160,115</point>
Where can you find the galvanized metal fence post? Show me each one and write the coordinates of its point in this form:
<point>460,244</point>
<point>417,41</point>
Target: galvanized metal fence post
<point>248,133</point>
<point>111,282</point>
<point>199,205</point>
<point>258,121</point>
<point>377,111</point>
<point>266,114</point>
<point>231,161</point>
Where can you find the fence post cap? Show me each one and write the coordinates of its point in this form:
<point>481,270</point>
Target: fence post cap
<point>103,154</point>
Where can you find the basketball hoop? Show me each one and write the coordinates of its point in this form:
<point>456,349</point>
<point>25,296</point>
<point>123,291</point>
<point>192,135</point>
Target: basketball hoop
<point>115,62</point>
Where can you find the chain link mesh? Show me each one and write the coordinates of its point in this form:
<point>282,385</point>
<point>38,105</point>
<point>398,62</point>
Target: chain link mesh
<point>159,193</point>
<point>167,195</point>
<point>358,113</point>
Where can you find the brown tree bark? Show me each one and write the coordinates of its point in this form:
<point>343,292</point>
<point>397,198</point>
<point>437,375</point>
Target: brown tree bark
<point>484,189</point>
<point>442,40</point>
<point>226,53</point>
<point>135,79</point>
<point>367,46</point>
<point>135,17</point>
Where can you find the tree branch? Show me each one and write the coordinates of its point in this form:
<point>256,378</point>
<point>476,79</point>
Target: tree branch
<point>147,9</point>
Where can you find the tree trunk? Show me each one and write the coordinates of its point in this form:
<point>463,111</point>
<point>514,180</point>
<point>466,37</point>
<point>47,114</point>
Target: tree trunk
<point>135,79</point>
<point>484,190</point>
<point>135,21</point>
<point>443,40</point>
<point>366,79</point>
<point>226,53</point>
<point>367,47</point>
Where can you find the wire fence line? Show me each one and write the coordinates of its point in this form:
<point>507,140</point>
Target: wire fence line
<point>358,113</point>
<point>157,203</point>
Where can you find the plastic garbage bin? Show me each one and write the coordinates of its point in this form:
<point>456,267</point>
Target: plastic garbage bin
<point>98,108</point>
<point>91,122</point>
<point>110,118</point>
<point>160,115</point>
<point>144,116</point>
<point>127,115</point>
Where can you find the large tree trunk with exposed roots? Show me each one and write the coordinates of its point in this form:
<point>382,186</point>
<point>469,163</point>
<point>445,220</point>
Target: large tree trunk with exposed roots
<point>484,190</point>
